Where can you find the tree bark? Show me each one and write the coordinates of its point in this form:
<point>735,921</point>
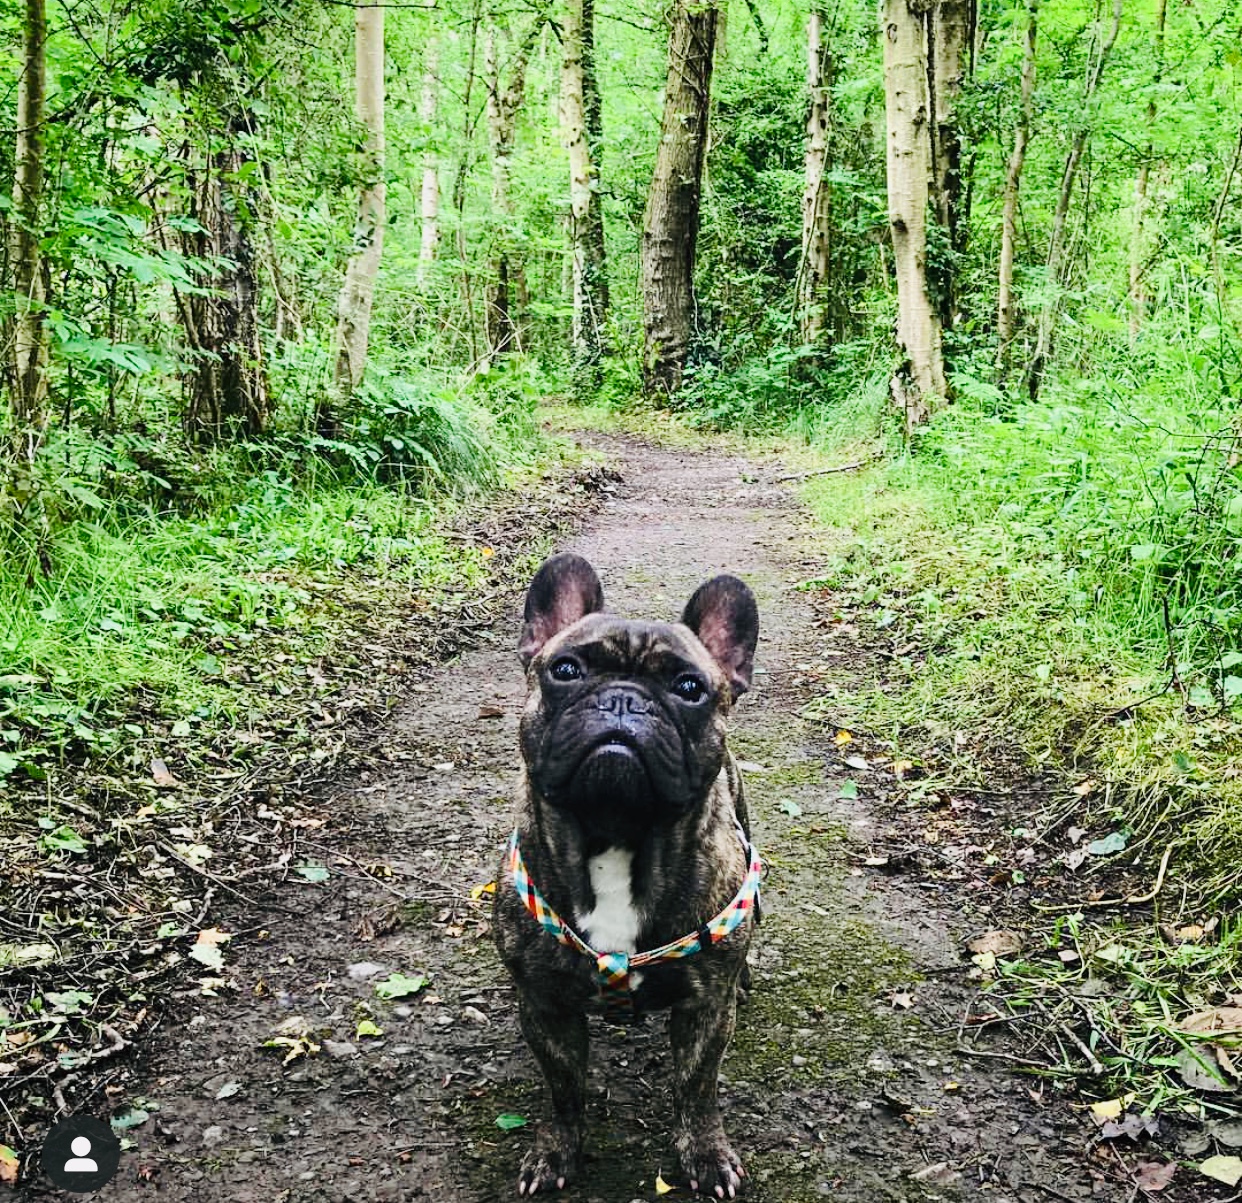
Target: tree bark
<point>1006,323</point>
<point>816,266</point>
<point>358,292</point>
<point>431,167</point>
<point>506,288</point>
<point>226,391</point>
<point>918,385</point>
<point>950,42</point>
<point>582,125</point>
<point>1138,241</point>
<point>671,222</point>
<point>30,335</point>
<point>1056,244</point>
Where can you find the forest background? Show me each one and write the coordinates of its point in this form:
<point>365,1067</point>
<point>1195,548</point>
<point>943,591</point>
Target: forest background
<point>284,283</point>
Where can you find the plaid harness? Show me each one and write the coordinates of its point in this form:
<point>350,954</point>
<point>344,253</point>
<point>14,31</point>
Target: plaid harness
<point>613,969</point>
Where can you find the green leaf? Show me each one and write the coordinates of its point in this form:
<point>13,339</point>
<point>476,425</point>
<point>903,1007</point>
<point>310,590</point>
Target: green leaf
<point>849,790</point>
<point>398,985</point>
<point>791,808</point>
<point>509,1121</point>
<point>62,839</point>
<point>313,871</point>
<point>1108,845</point>
<point>1141,552</point>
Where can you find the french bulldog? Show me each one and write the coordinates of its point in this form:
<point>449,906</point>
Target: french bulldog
<point>631,835</point>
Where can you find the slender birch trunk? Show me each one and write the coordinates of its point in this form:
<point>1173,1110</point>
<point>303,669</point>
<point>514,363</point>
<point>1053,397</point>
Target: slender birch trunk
<point>671,222</point>
<point>918,385</point>
<point>428,104</point>
<point>1006,323</point>
<point>816,266</point>
<point>582,126</point>
<point>30,336</point>
<point>1056,245</point>
<point>1138,240</point>
<point>358,292</point>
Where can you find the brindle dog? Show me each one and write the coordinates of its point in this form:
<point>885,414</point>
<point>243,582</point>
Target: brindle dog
<point>629,820</point>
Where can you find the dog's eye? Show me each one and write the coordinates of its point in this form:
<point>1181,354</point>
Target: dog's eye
<point>689,688</point>
<point>566,669</point>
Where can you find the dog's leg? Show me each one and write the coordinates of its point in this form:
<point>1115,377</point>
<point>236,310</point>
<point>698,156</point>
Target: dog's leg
<point>559,1041</point>
<point>700,1034</point>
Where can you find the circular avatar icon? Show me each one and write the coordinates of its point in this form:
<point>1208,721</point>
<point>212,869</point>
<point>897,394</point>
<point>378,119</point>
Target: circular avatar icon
<point>81,1154</point>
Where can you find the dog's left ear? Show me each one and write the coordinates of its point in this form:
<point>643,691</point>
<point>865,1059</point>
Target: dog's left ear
<point>725,617</point>
<point>564,590</point>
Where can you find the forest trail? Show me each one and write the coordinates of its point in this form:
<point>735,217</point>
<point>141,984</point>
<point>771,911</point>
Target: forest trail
<point>842,1081</point>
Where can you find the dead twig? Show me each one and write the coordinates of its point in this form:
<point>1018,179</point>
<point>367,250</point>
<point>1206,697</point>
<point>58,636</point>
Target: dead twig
<point>1131,900</point>
<point>861,463</point>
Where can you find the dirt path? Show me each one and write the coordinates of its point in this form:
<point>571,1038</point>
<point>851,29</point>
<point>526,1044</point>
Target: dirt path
<point>842,1081</point>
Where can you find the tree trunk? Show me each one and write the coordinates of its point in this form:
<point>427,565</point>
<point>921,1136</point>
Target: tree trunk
<point>671,222</point>
<point>918,385</point>
<point>30,336</point>
<point>1056,244</point>
<point>950,42</point>
<point>1138,298</point>
<point>358,293</point>
<point>582,123</point>
<point>813,275</point>
<point>431,168</point>
<point>506,290</point>
<point>226,391</point>
<point>1005,318</point>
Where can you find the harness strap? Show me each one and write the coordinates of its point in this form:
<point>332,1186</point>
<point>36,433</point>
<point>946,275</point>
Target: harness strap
<point>613,969</point>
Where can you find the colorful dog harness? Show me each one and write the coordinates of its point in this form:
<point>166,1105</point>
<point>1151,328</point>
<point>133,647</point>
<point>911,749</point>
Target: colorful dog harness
<point>613,969</point>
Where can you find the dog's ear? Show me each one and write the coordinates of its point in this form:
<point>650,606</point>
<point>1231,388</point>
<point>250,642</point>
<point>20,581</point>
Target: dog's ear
<point>564,590</point>
<point>725,617</point>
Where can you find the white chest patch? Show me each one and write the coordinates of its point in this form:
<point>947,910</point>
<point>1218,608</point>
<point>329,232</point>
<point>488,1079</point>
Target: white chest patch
<point>612,925</point>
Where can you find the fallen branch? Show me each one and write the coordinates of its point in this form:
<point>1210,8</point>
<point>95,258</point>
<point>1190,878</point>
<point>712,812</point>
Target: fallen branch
<point>1132,900</point>
<point>861,463</point>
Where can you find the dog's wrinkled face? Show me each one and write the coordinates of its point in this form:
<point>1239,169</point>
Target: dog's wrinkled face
<point>624,727</point>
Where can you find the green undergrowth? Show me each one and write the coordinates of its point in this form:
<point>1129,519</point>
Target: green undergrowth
<point>1059,580</point>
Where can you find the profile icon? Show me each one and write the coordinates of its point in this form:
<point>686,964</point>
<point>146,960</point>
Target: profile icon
<point>81,1154</point>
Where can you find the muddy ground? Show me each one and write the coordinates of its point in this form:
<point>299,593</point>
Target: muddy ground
<point>843,1081</point>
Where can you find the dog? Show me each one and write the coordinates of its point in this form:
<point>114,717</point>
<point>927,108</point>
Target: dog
<point>630,877</point>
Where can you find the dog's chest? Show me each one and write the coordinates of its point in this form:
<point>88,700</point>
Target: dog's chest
<point>612,924</point>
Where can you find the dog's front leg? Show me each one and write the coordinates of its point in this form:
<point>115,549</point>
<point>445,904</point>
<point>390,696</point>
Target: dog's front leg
<point>558,1039</point>
<point>700,1033</point>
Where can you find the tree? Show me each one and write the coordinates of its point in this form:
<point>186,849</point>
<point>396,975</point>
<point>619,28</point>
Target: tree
<point>358,292</point>
<point>430,198</point>
<point>506,287</point>
<point>918,384</point>
<point>226,390</point>
<point>1069,173</point>
<point>582,125</point>
<point>1138,241</point>
<point>671,221</point>
<point>816,263</point>
<point>1005,317</point>
<point>30,338</point>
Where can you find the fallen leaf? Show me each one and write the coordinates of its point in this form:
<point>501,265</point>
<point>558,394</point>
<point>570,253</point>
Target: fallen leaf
<point>508,1121</point>
<point>1107,845</point>
<point>1083,788</point>
<point>998,943</point>
<point>9,1164</point>
<point>843,737</point>
<point>901,768</point>
<point>313,872</point>
<point>367,1027</point>
<point>161,775</point>
<point>940,1174</point>
<point>213,935</point>
<point>1218,1020</point>
<point>1223,1169</point>
<point>1154,1175</point>
<point>1074,834</point>
<point>749,766</point>
<point>903,999</point>
<point>849,790</point>
<point>858,762</point>
<point>1195,1067</point>
<point>488,888</point>
<point>1111,1108</point>
<point>662,1187</point>
<point>490,711</point>
<point>791,808</point>
<point>399,985</point>
<point>228,1090</point>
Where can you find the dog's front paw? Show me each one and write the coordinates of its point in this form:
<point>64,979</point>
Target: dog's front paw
<point>552,1163</point>
<point>711,1165</point>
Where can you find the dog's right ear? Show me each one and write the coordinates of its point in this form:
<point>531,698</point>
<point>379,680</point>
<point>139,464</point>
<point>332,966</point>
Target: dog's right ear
<point>564,590</point>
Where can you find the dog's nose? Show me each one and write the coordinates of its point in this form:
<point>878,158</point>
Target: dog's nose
<point>620,702</point>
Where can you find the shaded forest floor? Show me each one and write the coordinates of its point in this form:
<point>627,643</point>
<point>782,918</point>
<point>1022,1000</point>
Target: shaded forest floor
<point>284,1073</point>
